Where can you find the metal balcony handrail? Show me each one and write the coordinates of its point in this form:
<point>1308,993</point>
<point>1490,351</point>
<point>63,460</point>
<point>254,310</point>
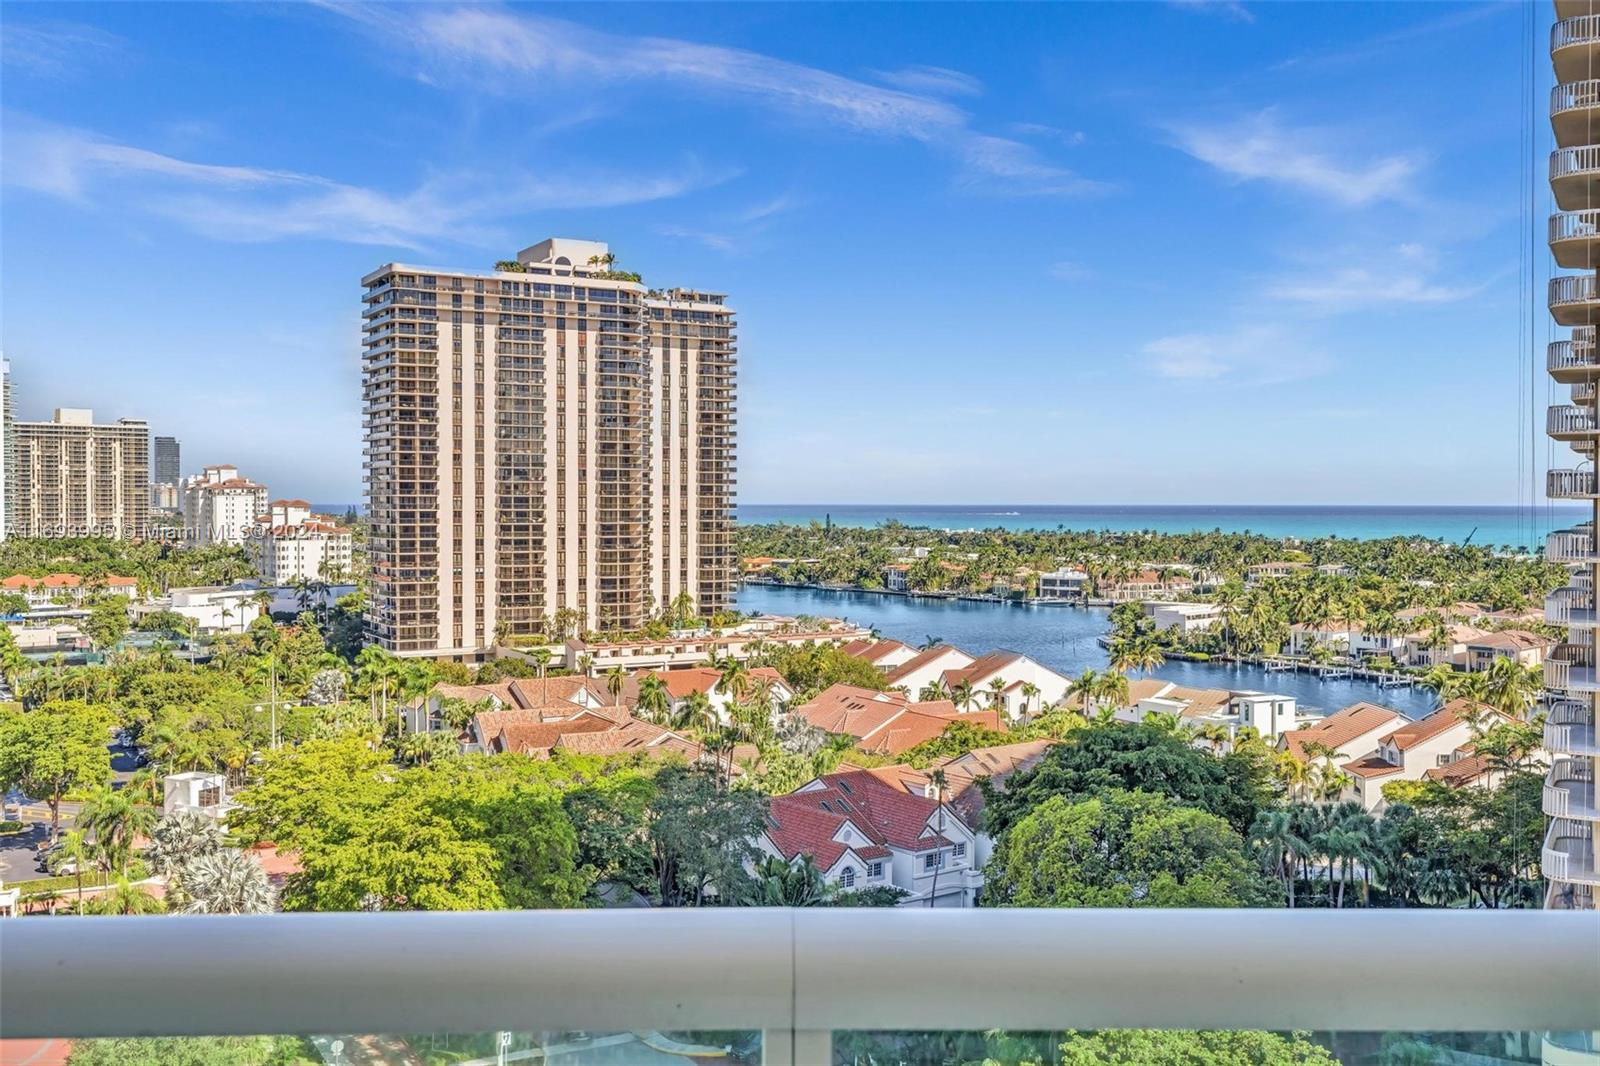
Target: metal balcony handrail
<point>1571,288</point>
<point>1565,355</point>
<point>1570,225</point>
<point>1580,29</point>
<point>794,971</point>
<point>1572,95</point>
<point>1579,159</point>
<point>1566,418</point>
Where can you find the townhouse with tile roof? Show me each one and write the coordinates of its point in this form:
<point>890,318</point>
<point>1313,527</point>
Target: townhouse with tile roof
<point>1351,732</point>
<point>586,731</point>
<point>1410,751</point>
<point>885,723</point>
<point>927,666</point>
<point>66,588</point>
<point>681,684</point>
<point>1015,672</point>
<point>865,831</point>
<point>884,654</point>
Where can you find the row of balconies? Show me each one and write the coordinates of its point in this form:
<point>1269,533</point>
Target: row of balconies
<point>1570,668</point>
<point>1570,545</point>
<point>1570,422</point>
<point>1571,485</point>
<point>1568,853</point>
<point>1569,790</point>
<point>1572,607</point>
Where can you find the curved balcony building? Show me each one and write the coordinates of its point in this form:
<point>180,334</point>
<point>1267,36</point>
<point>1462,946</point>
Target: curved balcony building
<point>1568,859</point>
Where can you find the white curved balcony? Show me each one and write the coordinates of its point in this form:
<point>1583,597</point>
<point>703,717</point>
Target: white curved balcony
<point>1570,545</point>
<point>1569,791</point>
<point>1566,9</point>
<point>1575,239</point>
<point>1583,393</point>
<point>1575,739</point>
<point>1568,853</point>
<point>1570,668</point>
<point>1575,47</point>
<point>1575,359</point>
<point>1575,177</point>
<point>1571,485</point>
<point>1570,422</point>
<point>1575,112</point>
<point>1572,300</point>
<point>1571,607</point>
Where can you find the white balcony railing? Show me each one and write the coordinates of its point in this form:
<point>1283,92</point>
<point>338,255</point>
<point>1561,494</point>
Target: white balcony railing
<point>1570,484</point>
<point>1579,30</point>
<point>1571,355</point>
<point>1569,546</point>
<point>1565,419</point>
<point>1571,289</point>
<point>1569,606</point>
<point>1569,162</point>
<point>1574,225</point>
<point>1574,95</point>
<point>798,975</point>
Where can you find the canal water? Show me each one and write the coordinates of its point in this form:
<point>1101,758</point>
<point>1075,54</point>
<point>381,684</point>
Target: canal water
<point>1062,638</point>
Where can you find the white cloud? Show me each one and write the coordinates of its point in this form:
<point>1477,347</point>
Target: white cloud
<point>1399,276</point>
<point>245,203</point>
<point>1228,9</point>
<point>1259,354</point>
<point>56,49</point>
<point>1260,148</point>
<point>1071,138</point>
<point>940,81</point>
<point>487,46</point>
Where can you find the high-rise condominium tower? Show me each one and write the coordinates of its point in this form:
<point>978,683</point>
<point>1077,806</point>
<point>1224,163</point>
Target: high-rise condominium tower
<point>8,451</point>
<point>1568,859</point>
<point>552,437</point>
<point>166,462</point>
<point>77,479</point>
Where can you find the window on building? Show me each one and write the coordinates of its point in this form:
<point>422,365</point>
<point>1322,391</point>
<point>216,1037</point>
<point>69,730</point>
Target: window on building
<point>847,878</point>
<point>933,861</point>
<point>210,796</point>
<point>875,870</point>
<point>959,851</point>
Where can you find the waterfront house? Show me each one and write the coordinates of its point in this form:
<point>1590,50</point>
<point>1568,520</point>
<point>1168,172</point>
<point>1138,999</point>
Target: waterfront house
<point>1348,636</point>
<point>584,731</point>
<point>1013,671</point>
<point>1268,713</point>
<point>1148,584</point>
<point>863,831</point>
<point>1453,652</point>
<point>1351,732</point>
<point>688,648</point>
<point>1067,583</point>
<point>1187,618</point>
<point>894,576</point>
<point>1518,644</point>
<point>1254,575</point>
<point>1408,752</point>
<point>885,723</point>
<point>681,684</point>
<point>927,666</point>
<point>883,654</point>
<point>1155,696</point>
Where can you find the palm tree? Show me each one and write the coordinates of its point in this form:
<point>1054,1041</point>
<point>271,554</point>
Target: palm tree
<point>541,659</point>
<point>696,711</point>
<point>179,839</point>
<point>124,897</point>
<point>227,882</point>
<point>997,695</point>
<point>930,642</point>
<point>1278,846</point>
<point>1293,774</point>
<point>1512,688</point>
<point>616,680</point>
<point>776,883</point>
<point>963,695</point>
<point>1086,686</point>
<point>938,781</point>
<point>116,820</point>
<point>1030,692</point>
<point>1444,680</point>
<point>735,678</point>
<point>655,701</point>
<point>75,850</point>
<point>1113,687</point>
<point>934,690</point>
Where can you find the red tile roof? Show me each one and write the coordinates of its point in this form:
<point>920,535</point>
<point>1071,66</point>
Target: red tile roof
<point>1463,771</point>
<point>1371,766</point>
<point>805,821</point>
<point>1423,729</point>
<point>922,659</point>
<point>981,669</point>
<point>1339,729</point>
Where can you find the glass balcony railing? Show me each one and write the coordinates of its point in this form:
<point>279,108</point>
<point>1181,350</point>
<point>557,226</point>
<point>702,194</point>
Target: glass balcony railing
<point>813,987</point>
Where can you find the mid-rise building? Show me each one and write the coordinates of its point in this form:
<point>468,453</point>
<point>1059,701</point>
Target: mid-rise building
<point>166,464</point>
<point>8,450</point>
<point>76,478</point>
<point>548,437</point>
<point>1568,859</point>
<point>221,507</point>
<point>291,544</point>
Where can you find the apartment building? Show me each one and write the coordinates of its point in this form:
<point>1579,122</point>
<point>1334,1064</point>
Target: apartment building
<point>1568,859</point>
<point>551,435</point>
<point>76,478</point>
<point>290,543</point>
<point>221,507</point>
<point>8,450</point>
<point>166,463</point>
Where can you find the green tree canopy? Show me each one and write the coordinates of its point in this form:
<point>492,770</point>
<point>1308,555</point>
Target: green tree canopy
<point>1205,1047</point>
<point>56,748</point>
<point>1124,849</point>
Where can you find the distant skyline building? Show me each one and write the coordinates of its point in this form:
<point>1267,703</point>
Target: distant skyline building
<point>221,507</point>
<point>76,479</point>
<point>8,450</point>
<point>1568,858</point>
<point>166,461</point>
<point>548,437</point>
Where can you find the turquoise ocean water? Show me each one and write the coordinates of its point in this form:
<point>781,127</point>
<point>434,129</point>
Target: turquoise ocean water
<point>1497,526</point>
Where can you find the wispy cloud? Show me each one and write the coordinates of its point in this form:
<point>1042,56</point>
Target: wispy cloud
<point>56,49</point>
<point>248,203</point>
<point>1071,138</point>
<point>1070,270</point>
<point>1260,148</point>
<point>1255,354</point>
<point>720,242</point>
<point>733,232</point>
<point>484,45</point>
<point>1384,42</point>
<point>938,81</point>
<point>1399,276</point>
<point>1228,9</point>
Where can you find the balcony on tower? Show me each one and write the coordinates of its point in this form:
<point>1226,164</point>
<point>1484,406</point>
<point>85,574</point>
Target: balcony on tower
<point>1569,790</point>
<point>1569,422</point>
<point>1574,360</point>
<point>1572,606</point>
<point>1575,177</point>
<point>1575,239</point>
<point>1575,47</point>
<point>1571,485</point>
<point>1573,301</point>
<point>1570,729</point>
<point>1575,112</point>
<point>1570,668</point>
<point>1575,545</point>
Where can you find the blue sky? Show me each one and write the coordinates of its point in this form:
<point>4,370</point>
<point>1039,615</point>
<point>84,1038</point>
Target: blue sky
<point>1153,253</point>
